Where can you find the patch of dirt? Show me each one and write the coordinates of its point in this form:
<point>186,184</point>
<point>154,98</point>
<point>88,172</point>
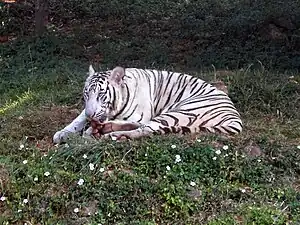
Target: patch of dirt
<point>40,125</point>
<point>55,191</point>
<point>252,149</point>
<point>90,209</point>
<point>195,194</point>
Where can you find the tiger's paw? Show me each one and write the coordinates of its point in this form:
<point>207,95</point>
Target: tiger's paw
<point>60,136</point>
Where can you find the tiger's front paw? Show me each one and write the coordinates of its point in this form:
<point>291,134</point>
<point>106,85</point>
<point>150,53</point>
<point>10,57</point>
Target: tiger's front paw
<point>60,136</point>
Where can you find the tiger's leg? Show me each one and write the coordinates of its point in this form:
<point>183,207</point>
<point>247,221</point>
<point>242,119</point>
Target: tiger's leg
<point>74,127</point>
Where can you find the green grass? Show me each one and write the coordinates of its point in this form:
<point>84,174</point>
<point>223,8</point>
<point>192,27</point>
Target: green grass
<point>254,181</point>
<point>136,187</point>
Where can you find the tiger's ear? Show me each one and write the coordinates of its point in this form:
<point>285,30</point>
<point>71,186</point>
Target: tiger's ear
<point>91,70</point>
<point>117,75</point>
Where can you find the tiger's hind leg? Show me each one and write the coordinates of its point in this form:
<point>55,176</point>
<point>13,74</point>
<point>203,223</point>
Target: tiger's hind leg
<point>163,124</point>
<point>172,122</point>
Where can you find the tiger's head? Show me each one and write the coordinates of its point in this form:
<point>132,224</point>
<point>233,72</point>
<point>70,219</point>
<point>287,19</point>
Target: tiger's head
<point>101,93</point>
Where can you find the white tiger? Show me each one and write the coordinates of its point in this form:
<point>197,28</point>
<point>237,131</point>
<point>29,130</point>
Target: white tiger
<point>154,102</point>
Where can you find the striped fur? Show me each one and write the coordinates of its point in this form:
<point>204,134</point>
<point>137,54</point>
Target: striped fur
<point>157,102</point>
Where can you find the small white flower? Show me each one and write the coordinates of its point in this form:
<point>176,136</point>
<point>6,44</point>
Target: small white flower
<point>25,201</point>
<point>76,210</point>
<point>258,160</point>
<point>101,170</point>
<point>298,146</point>
<point>173,146</point>
<point>214,158</point>
<point>146,154</point>
<point>164,177</point>
<point>67,146</point>
<point>225,155</point>
<point>47,174</point>
<point>192,183</point>
<point>25,162</point>
<point>80,182</point>
<point>45,154</point>
<point>3,198</point>
<point>218,152</point>
<point>168,168</point>
<point>92,166</point>
<point>198,140</point>
<point>273,158</point>
<point>243,190</point>
<point>19,210</point>
<point>84,156</point>
<point>113,138</point>
<point>21,146</point>
<point>177,159</point>
<point>36,179</point>
<point>225,147</point>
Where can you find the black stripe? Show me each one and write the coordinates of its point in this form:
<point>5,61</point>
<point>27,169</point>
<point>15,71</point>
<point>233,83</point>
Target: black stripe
<point>234,128</point>
<point>185,130</point>
<point>203,99</point>
<point>192,121</point>
<point>113,98</point>
<point>125,118</point>
<point>178,83</point>
<point>193,86</point>
<point>180,94</point>
<point>176,120</point>
<point>163,122</point>
<point>167,82</point>
<point>157,94</point>
<point>206,106</point>
<point>142,115</point>
<point>125,104</point>
<point>227,130</point>
<point>169,97</point>
<point>173,129</point>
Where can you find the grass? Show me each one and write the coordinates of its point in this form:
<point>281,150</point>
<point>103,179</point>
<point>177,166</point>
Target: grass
<point>254,181</point>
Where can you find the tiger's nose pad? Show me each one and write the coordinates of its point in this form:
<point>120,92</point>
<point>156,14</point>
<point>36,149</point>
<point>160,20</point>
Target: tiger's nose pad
<point>90,114</point>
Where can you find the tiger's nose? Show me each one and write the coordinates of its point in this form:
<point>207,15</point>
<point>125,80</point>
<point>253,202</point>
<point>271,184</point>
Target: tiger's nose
<point>90,113</point>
